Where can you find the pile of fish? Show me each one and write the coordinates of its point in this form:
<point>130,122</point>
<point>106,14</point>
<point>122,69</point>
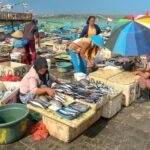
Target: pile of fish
<point>53,104</point>
<point>73,110</point>
<point>47,102</point>
<point>69,112</point>
<point>6,93</point>
<point>84,90</point>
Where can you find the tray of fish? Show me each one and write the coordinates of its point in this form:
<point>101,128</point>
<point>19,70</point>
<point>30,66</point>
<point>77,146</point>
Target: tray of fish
<point>87,91</point>
<point>68,113</point>
<point>79,107</point>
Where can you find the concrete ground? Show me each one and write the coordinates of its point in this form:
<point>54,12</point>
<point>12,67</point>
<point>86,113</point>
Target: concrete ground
<point>128,130</point>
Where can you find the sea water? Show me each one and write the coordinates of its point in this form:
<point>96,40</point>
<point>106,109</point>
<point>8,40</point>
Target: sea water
<point>54,22</point>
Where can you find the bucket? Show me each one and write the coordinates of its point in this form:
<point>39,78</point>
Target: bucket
<point>79,76</point>
<point>13,122</point>
<point>64,66</point>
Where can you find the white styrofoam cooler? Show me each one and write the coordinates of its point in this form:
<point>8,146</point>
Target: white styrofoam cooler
<point>112,107</point>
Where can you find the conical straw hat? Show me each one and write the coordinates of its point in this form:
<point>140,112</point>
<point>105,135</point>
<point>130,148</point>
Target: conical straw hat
<point>2,31</point>
<point>17,34</point>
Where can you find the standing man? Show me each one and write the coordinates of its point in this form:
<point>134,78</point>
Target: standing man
<point>31,34</point>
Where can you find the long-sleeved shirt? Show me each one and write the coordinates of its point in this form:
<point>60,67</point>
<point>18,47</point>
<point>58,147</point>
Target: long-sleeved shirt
<point>31,82</point>
<point>85,31</point>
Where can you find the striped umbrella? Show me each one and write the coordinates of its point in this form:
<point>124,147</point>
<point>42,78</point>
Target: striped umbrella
<point>131,36</point>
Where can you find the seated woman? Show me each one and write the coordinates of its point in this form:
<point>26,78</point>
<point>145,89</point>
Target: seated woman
<point>90,29</point>
<point>144,84</point>
<point>37,82</point>
<point>18,46</point>
<point>83,52</point>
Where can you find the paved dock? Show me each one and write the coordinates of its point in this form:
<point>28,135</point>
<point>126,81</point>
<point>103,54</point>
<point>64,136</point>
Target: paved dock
<point>128,130</point>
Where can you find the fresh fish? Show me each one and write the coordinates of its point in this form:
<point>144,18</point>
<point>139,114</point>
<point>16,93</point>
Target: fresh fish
<point>35,103</point>
<point>45,104</point>
<point>84,82</point>
<point>72,110</point>
<point>90,100</point>
<point>91,92</point>
<point>67,86</point>
<point>55,105</point>
<point>58,98</point>
<point>67,113</point>
<point>79,106</point>
<point>59,90</point>
<point>62,96</point>
<point>79,97</point>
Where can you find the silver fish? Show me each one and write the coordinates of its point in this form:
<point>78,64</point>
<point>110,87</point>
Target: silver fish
<point>72,110</point>
<point>59,90</point>
<point>37,104</point>
<point>55,105</point>
<point>67,113</point>
<point>58,98</point>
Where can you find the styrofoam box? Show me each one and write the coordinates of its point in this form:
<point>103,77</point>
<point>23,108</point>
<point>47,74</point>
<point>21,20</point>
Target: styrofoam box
<point>66,133</point>
<point>112,107</point>
<point>13,68</point>
<point>13,97</point>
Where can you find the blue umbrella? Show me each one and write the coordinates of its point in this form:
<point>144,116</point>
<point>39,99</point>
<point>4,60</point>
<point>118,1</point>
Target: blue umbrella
<point>130,37</point>
<point>97,40</point>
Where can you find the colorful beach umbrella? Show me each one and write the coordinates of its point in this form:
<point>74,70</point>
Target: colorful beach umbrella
<point>131,36</point>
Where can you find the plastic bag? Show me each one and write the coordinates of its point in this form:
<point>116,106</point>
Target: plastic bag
<point>39,131</point>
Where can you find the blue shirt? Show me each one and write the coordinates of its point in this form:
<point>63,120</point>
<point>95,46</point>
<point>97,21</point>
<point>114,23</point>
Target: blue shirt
<point>17,43</point>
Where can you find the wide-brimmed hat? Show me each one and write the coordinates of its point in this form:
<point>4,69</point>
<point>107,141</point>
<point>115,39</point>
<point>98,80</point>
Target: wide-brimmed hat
<point>2,31</point>
<point>17,34</point>
<point>97,40</point>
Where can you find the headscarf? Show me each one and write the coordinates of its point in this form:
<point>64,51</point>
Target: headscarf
<point>42,63</point>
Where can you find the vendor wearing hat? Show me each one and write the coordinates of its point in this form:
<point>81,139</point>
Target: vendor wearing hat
<point>83,52</point>
<point>2,35</point>
<point>18,44</point>
<point>37,82</point>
